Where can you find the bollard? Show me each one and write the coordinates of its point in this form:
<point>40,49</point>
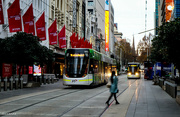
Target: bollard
<point>40,80</point>
<point>44,79</point>
<point>21,83</point>
<point>16,83</point>
<point>5,84</point>
<point>11,83</point>
<point>52,78</point>
<point>0,83</point>
<point>48,78</point>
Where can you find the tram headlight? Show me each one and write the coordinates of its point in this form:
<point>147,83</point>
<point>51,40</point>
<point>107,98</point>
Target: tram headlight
<point>129,73</point>
<point>136,73</point>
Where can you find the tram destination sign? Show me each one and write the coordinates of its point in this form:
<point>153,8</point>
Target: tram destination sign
<point>77,55</point>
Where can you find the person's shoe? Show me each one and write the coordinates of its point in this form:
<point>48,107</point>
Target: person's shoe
<point>117,102</point>
<point>107,103</point>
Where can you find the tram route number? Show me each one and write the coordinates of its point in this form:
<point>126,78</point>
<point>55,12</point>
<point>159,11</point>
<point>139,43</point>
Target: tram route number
<point>74,81</point>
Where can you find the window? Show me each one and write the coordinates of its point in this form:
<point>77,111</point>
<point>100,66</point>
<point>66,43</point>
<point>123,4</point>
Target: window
<point>91,29</point>
<point>67,26</point>
<point>90,3</point>
<point>57,3</point>
<point>91,11</point>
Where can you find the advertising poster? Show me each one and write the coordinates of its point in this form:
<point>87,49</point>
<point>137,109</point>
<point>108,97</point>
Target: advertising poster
<point>106,30</point>
<point>6,70</point>
<point>169,9</point>
<point>37,70</point>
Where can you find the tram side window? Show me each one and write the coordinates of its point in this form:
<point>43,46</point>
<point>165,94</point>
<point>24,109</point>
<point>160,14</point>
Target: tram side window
<point>91,66</point>
<point>96,63</point>
<point>109,68</point>
<point>106,67</point>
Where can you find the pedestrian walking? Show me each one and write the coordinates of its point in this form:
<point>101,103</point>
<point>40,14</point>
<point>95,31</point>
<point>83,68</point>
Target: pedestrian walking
<point>113,88</point>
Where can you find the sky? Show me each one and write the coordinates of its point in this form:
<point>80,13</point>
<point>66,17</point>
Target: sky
<point>130,16</point>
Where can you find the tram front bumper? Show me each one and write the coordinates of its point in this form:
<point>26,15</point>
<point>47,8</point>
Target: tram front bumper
<point>76,81</point>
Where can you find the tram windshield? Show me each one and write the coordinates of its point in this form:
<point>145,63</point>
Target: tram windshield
<point>133,68</point>
<point>76,63</point>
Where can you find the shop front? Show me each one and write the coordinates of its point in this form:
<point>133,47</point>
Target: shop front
<point>58,65</point>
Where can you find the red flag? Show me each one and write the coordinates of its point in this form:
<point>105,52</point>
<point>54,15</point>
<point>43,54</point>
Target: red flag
<point>72,38</point>
<point>78,43</point>
<point>1,14</point>
<point>91,45</point>
<point>82,43</point>
<point>62,38</point>
<point>28,20</point>
<point>53,33</point>
<point>14,17</point>
<point>75,43</point>
<point>88,45</point>
<point>40,27</point>
<point>76,39</point>
<point>85,44</point>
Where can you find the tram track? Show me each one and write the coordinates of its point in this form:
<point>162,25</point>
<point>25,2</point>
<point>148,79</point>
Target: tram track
<point>100,91</point>
<point>81,103</point>
<point>61,95</point>
<point>71,92</point>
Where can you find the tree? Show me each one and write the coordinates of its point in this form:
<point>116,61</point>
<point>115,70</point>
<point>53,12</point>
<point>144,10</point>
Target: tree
<point>143,48</point>
<point>24,49</point>
<point>165,46</point>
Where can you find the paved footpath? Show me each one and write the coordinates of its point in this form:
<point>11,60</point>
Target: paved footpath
<point>146,100</point>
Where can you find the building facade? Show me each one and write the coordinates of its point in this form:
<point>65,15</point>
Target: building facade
<point>97,10</point>
<point>167,11</point>
<point>156,15</point>
<point>62,11</point>
<point>111,30</point>
<point>39,6</point>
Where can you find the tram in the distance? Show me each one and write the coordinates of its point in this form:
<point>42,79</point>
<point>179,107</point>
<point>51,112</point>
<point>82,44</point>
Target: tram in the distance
<point>133,70</point>
<point>87,67</point>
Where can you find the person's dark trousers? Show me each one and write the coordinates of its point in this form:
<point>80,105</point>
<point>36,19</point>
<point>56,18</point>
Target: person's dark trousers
<point>111,97</point>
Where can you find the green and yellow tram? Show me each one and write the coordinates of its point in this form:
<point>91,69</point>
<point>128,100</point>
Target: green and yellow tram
<point>87,67</point>
<point>133,70</point>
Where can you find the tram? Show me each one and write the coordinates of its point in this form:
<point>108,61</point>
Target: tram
<point>87,67</point>
<point>133,70</point>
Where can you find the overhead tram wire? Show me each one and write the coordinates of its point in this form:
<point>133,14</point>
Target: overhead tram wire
<point>146,31</point>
